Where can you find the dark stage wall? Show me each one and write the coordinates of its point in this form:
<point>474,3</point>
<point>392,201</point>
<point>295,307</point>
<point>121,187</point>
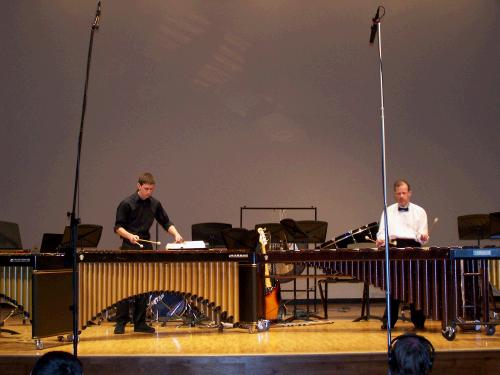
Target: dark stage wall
<point>253,102</point>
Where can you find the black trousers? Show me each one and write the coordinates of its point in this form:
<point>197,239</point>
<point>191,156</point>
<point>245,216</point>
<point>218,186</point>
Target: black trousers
<point>140,303</point>
<point>139,314</point>
<point>417,317</point>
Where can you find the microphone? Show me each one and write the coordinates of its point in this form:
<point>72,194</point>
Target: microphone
<point>95,25</point>
<point>374,28</point>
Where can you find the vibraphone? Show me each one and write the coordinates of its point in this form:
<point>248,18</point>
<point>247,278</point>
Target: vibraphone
<point>16,272</point>
<point>428,278</point>
<point>224,281</point>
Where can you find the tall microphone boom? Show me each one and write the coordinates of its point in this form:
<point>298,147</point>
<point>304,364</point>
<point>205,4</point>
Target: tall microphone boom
<point>95,25</point>
<point>374,27</point>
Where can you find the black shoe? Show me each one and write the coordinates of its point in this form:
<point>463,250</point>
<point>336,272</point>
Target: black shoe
<point>119,329</point>
<point>144,328</point>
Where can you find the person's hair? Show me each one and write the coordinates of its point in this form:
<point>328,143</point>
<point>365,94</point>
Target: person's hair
<point>146,178</point>
<point>57,363</point>
<point>401,182</point>
<point>410,354</point>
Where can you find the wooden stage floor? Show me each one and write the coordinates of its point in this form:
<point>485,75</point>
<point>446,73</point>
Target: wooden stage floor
<point>337,345</point>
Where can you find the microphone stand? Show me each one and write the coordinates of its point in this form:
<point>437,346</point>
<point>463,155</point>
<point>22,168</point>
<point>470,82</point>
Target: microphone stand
<point>74,220</point>
<point>377,20</point>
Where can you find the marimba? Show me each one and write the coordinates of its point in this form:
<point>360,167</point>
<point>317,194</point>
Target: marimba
<point>429,278</point>
<point>222,282</point>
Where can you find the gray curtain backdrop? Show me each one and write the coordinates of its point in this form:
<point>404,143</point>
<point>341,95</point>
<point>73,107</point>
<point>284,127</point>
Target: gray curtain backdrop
<point>256,102</point>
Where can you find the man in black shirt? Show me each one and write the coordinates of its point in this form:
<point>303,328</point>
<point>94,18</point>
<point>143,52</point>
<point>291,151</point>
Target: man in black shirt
<point>134,217</point>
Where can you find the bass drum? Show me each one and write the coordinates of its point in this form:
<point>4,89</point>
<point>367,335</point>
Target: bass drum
<point>167,306</point>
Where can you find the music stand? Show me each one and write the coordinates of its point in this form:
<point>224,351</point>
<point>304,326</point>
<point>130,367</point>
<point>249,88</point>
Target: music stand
<point>315,230</point>
<point>209,232</point>
<point>293,231</point>
<point>51,242</point>
<point>88,236</point>
<point>240,238</point>
<point>305,231</point>
<point>495,225</point>
<point>474,227</point>
<point>10,236</point>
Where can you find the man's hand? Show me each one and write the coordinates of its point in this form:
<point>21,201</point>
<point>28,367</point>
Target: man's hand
<point>178,238</point>
<point>424,238</point>
<point>380,243</point>
<point>133,238</point>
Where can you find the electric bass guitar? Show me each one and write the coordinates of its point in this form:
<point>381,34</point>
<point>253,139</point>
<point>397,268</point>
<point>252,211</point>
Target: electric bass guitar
<point>271,292</point>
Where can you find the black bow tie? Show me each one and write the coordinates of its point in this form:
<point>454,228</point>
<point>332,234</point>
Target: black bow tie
<point>404,209</point>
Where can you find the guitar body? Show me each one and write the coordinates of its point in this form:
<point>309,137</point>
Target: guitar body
<point>272,305</point>
<point>271,301</point>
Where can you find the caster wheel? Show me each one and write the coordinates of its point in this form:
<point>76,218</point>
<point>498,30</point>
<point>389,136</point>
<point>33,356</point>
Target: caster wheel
<point>490,330</point>
<point>449,333</point>
<point>39,344</point>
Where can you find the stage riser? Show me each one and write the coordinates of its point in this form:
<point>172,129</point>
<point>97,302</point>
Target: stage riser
<point>456,363</point>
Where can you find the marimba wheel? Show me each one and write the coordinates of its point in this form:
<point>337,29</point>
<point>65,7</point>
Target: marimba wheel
<point>490,330</point>
<point>449,333</point>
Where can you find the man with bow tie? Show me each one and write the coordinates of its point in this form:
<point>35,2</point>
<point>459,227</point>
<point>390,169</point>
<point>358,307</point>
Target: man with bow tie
<point>407,228</point>
<point>407,221</point>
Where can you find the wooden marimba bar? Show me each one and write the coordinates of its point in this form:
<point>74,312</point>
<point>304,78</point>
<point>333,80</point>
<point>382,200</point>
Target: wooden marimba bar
<point>210,278</point>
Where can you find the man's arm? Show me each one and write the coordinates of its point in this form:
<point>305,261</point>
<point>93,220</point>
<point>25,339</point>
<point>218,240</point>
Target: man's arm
<point>423,231</point>
<point>173,231</point>
<point>122,232</point>
<point>381,232</point>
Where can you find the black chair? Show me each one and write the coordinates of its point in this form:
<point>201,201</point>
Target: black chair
<point>210,233</point>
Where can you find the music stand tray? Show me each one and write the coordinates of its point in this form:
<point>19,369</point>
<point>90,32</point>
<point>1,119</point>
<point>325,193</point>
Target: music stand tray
<point>240,238</point>
<point>495,225</point>
<point>89,235</point>
<point>305,231</point>
<point>10,236</point>
<point>474,227</point>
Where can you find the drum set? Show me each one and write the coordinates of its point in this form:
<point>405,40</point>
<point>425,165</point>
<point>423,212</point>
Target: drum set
<point>362,235</point>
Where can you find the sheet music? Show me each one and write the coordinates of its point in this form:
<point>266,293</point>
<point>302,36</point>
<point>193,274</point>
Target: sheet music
<point>186,245</point>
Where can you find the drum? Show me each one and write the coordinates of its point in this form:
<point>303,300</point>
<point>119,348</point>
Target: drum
<point>167,306</point>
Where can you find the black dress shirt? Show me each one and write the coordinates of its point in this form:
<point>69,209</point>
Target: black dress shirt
<point>137,215</point>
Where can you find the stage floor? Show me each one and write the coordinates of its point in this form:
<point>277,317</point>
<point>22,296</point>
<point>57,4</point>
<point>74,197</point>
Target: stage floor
<point>337,336</point>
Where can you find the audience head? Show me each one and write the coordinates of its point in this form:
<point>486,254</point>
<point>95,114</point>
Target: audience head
<point>410,354</point>
<point>57,363</point>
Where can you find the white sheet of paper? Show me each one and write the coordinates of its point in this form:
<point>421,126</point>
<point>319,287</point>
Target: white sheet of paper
<point>186,245</point>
